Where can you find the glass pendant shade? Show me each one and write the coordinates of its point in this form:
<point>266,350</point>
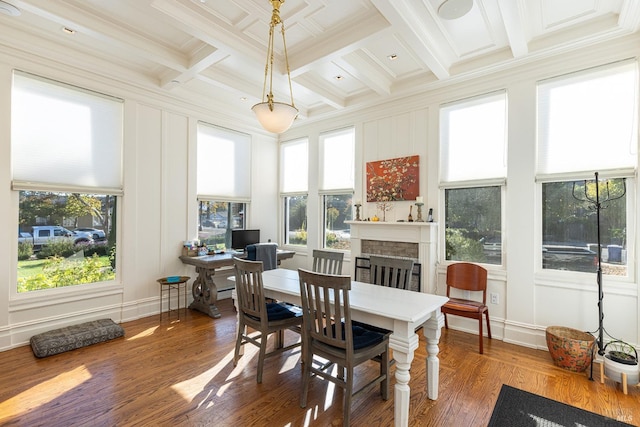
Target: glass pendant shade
<point>277,120</point>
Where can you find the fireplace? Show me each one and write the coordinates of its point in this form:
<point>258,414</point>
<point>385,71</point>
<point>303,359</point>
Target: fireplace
<point>416,240</point>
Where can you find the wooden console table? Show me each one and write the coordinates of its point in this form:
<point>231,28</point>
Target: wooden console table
<point>204,289</point>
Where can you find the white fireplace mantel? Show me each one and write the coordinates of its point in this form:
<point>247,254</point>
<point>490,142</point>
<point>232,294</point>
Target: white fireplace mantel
<point>425,234</point>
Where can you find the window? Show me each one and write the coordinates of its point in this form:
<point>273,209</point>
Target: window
<point>587,123</point>
<point>216,220</point>
<point>473,165</point>
<point>66,145</point>
<point>294,187</point>
<point>336,186</point>
<point>222,203</point>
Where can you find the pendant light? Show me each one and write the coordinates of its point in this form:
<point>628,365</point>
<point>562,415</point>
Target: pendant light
<point>275,116</point>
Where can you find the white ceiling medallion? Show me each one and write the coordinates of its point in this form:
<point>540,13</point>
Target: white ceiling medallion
<point>454,9</point>
<point>9,9</point>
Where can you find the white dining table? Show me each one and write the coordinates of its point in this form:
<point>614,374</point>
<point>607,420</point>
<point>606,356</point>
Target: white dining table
<point>397,310</point>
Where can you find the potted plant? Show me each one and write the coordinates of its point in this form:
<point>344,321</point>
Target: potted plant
<point>621,363</point>
<point>622,352</point>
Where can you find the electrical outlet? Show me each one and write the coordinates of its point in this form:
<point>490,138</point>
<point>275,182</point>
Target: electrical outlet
<point>495,298</point>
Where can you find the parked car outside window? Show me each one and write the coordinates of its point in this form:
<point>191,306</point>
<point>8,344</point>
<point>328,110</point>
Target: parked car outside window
<point>95,233</point>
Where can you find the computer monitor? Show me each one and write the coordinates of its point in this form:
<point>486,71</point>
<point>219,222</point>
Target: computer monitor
<point>240,239</point>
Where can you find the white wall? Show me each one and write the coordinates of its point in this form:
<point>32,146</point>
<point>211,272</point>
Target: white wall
<point>529,299</point>
<point>156,214</point>
<point>158,210</point>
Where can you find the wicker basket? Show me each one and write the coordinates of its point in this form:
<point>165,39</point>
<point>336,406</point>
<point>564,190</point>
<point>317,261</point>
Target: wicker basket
<point>570,349</point>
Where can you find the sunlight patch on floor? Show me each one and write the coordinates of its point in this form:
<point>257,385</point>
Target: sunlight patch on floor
<point>291,363</point>
<point>50,390</point>
<point>190,388</point>
<point>143,334</point>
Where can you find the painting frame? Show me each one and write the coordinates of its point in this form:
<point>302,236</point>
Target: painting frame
<point>394,179</point>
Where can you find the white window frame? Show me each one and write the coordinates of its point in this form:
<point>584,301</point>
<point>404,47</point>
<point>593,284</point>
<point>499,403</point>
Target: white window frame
<point>293,184</point>
<point>341,187</point>
<point>486,178</point>
<point>103,172</point>
<point>626,170</point>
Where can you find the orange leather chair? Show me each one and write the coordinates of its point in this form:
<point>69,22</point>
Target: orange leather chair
<point>467,277</point>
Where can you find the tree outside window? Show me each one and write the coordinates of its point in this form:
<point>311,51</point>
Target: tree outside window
<point>338,208</point>
<point>52,252</point>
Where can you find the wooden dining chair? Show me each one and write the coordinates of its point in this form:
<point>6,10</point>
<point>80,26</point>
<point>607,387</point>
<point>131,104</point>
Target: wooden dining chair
<point>394,272</point>
<point>262,316</point>
<point>467,277</point>
<point>329,333</point>
<point>327,262</point>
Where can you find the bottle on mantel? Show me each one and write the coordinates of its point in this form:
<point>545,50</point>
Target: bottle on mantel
<point>410,216</point>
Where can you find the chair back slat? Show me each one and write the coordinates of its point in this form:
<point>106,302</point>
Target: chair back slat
<point>327,262</point>
<point>249,288</point>
<point>325,305</point>
<point>394,272</point>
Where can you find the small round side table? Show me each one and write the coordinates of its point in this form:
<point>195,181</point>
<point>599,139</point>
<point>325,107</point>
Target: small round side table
<point>170,283</point>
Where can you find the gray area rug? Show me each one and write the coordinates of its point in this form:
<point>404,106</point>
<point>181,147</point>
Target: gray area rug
<point>518,408</point>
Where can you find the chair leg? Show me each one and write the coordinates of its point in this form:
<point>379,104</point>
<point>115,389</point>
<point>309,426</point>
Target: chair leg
<point>480,332</point>
<point>306,375</point>
<point>446,322</point>
<point>486,313</point>
<point>348,394</point>
<point>384,370</point>
<point>241,332</point>
<point>261,356</point>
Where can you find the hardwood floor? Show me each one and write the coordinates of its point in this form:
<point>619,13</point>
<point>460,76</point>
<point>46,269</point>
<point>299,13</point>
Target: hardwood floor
<point>180,373</point>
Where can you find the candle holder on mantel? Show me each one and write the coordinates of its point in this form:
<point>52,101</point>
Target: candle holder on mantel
<point>419,215</point>
<point>358,205</point>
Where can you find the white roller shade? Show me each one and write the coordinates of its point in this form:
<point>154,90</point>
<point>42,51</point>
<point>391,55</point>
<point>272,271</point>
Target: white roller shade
<point>337,159</point>
<point>587,121</point>
<point>295,166</point>
<point>473,139</point>
<point>65,136</point>
<point>224,164</point>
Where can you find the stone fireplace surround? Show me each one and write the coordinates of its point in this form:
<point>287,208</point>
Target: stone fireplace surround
<point>398,239</point>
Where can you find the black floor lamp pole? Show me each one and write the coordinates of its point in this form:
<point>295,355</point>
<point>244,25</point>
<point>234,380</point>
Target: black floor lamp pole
<point>600,341</point>
<point>597,205</point>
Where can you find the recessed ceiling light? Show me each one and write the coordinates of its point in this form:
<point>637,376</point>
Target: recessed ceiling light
<point>339,77</point>
<point>9,9</point>
<point>68,30</point>
<point>454,9</point>
<point>244,98</point>
<point>392,57</point>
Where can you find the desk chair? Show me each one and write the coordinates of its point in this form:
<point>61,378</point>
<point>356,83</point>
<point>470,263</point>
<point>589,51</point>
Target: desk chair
<point>327,262</point>
<point>255,312</point>
<point>329,333</point>
<point>394,272</point>
<point>467,277</point>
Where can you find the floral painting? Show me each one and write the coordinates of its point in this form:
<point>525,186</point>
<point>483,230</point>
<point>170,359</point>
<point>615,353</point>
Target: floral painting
<point>393,179</point>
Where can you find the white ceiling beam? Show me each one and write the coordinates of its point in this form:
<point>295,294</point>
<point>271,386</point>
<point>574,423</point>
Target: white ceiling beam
<point>365,71</point>
<point>416,31</point>
<point>630,15</point>
<point>204,58</point>
<point>106,31</point>
<point>323,91</point>
<point>351,36</point>
<point>219,34</point>
<point>515,26</point>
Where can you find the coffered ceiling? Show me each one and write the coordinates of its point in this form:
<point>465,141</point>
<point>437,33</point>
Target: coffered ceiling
<point>343,54</point>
